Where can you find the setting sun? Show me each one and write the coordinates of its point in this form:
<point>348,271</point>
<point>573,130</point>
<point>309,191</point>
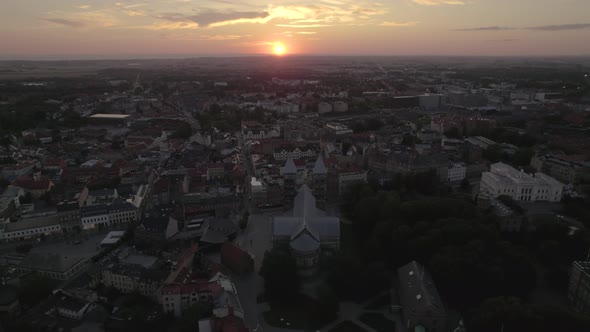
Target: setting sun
<point>279,49</point>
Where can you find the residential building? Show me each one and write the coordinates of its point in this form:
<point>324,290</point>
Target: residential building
<point>131,278</point>
<point>101,196</point>
<point>106,216</point>
<point>215,171</point>
<point>31,226</point>
<point>157,228</point>
<point>342,176</point>
<point>338,129</point>
<point>324,107</point>
<point>456,172</point>
<point>284,153</point>
<point>561,169</point>
<point>504,180</point>
<point>255,131</point>
<point>71,307</point>
<point>68,214</point>
<point>37,185</point>
<point>340,106</point>
<point>11,171</point>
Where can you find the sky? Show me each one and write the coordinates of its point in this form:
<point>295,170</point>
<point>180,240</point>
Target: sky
<point>123,28</point>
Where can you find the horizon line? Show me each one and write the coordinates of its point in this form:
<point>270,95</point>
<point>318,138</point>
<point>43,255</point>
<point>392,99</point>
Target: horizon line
<point>145,57</point>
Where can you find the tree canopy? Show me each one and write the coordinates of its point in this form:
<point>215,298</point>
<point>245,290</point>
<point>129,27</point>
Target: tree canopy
<point>279,270</point>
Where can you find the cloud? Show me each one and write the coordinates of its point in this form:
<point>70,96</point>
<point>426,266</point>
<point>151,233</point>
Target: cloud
<point>398,24</point>
<point>134,13</point>
<point>561,27</point>
<point>296,16</point>
<point>439,2</point>
<point>303,26</point>
<point>208,18</point>
<point>65,22</point>
<point>491,28</point>
<point>221,37</point>
<point>177,36</point>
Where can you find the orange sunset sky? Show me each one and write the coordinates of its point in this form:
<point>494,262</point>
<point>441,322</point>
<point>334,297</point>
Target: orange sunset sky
<point>40,28</point>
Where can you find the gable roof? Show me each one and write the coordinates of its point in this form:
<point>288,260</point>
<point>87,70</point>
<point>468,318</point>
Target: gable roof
<point>230,253</point>
<point>417,290</point>
<point>306,216</point>
<point>290,167</point>
<point>319,167</point>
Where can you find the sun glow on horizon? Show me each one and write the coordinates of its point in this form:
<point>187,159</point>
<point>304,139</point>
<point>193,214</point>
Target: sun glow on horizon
<point>279,49</point>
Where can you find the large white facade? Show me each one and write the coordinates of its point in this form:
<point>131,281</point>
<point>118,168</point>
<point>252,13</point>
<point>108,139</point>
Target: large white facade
<point>456,172</point>
<point>504,180</point>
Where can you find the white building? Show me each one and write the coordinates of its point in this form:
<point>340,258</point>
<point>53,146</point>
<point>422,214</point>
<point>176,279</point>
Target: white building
<point>504,180</point>
<point>324,107</point>
<point>456,172</point>
<point>282,154</point>
<point>284,107</point>
<point>133,278</point>
<point>338,129</point>
<point>340,107</point>
<point>103,216</point>
<point>259,132</point>
<point>29,229</point>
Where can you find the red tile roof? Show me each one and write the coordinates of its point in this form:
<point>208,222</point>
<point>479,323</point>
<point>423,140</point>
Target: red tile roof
<point>229,323</point>
<point>28,183</point>
<point>193,287</point>
<point>232,254</point>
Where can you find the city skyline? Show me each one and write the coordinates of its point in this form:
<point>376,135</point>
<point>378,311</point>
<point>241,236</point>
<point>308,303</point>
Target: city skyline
<point>170,28</point>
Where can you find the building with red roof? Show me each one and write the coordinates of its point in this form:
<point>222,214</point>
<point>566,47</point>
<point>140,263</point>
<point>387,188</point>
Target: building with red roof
<point>36,185</point>
<point>236,259</point>
<point>229,323</point>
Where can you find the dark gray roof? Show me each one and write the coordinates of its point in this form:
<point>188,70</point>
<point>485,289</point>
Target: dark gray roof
<point>49,262</point>
<point>70,303</point>
<point>67,206</point>
<point>8,294</point>
<point>102,192</point>
<point>305,242</point>
<point>27,224</point>
<point>94,210</point>
<point>417,290</point>
<point>306,215</point>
